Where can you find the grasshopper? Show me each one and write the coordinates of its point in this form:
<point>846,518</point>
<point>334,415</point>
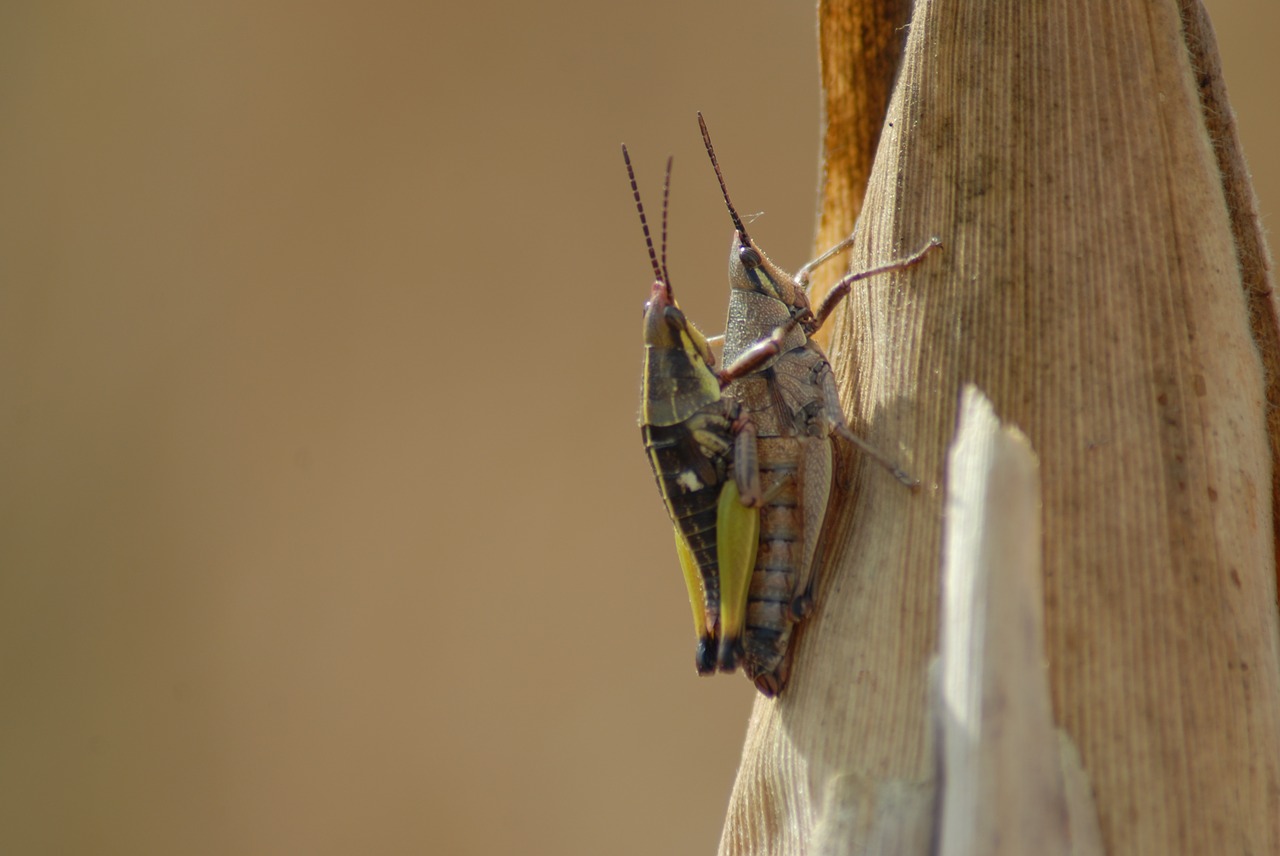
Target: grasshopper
<point>790,395</point>
<point>703,453</point>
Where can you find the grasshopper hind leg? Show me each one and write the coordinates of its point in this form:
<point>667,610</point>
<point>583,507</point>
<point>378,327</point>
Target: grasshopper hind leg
<point>737,537</point>
<point>737,540</point>
<point>705,654</point>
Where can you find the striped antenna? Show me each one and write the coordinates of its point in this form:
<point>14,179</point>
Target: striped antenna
<point>666,196</point>
<point>733,212</point>
<point>658,271</point>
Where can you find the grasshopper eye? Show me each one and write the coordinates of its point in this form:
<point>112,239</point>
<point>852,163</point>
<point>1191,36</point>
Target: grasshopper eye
<point>674,318</point>
<point>750,258</point>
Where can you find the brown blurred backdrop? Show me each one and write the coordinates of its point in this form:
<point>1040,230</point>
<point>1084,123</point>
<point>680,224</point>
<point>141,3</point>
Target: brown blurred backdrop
<point>325,523</point>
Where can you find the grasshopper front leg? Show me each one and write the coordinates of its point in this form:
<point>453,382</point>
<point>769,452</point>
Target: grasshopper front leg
<point>815,320</point>
<point>758,354</point>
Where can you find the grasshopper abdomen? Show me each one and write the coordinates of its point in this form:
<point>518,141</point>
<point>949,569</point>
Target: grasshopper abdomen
<point>689,480</point>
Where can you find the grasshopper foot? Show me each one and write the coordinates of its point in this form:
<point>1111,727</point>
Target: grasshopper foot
<point>730,653</point>
<point>904,477</point>
<point>705,657</point>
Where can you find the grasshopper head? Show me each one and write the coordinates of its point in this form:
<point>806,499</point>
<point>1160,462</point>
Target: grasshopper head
<point>751,270</point>
<point>678,380</point>
<point>666,328</point>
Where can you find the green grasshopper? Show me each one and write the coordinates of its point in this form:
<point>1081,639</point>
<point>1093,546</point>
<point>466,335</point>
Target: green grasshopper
<point>703,454</point>
<point>790,395</point>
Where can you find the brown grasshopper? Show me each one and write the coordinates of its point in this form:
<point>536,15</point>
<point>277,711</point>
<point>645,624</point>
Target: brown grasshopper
<point>790,395</point>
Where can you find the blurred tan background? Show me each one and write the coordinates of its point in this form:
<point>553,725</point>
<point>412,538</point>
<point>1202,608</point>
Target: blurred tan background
<point>325,523</point>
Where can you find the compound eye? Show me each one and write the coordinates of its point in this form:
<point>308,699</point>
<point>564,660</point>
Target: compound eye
<point>750,258</point>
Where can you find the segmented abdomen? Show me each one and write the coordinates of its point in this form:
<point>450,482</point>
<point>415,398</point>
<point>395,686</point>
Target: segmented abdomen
<point>690,483</point>
<point>778,558</point>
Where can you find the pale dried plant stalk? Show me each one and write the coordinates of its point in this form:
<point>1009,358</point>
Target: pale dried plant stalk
<point>1011,783</point>
<point>1104,281</point>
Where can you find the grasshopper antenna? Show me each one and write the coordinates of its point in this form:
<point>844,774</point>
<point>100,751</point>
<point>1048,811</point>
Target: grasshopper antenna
<point>659,271</point>
<point>666,196</point>
<point>733,212</point>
